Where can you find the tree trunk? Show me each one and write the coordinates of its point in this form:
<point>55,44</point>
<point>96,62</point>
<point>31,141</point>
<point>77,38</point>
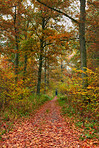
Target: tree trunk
<point>40,70</point>
<point>82,41</point>
<point>61,69</point>
<point>17,48</point>
<point>48,74</point>
<point>25,60</point>
<point>41,58</point>
<point>45,73</point>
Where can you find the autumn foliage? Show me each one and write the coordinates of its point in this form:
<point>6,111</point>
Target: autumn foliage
<point>40,52</point>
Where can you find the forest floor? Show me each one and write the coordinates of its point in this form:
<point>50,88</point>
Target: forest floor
<point>46,129</point>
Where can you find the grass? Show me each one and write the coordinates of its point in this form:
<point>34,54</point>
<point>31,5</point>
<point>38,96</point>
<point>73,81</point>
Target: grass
<point>88,126</point>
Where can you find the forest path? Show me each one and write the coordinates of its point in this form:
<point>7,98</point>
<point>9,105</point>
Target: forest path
<point>47,129</point>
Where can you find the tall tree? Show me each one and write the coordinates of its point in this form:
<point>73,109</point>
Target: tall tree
<point>11,16</point>
<point>16,42</point>
<point>41,57</point>
<point>81,24</point>
<point>82,41</point>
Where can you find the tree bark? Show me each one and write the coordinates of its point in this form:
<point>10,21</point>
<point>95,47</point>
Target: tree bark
<point>25,59</point>
<point>48,74</point>
<point>17,48</point>
<point>45,73</point>
<point>83,42</point>
<point>61,69</point>
<point>40,58</point>
<point>40,69</point>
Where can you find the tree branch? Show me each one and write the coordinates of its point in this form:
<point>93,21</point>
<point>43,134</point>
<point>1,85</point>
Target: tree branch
<point>59,11</point>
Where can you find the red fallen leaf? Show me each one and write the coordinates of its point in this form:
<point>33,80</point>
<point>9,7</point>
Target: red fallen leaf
<point>62,130</point>
<point>56,130</point>
<point>45,130</point>
<point>50,127</point>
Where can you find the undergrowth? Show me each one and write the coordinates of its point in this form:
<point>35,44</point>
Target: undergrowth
<point>18,108</point>
<point>88,125</point>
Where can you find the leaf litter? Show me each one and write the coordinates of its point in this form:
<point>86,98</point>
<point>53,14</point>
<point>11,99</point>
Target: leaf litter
<point>47,129</point>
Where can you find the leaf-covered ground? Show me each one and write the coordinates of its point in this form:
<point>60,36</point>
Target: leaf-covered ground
<point>47,129</point>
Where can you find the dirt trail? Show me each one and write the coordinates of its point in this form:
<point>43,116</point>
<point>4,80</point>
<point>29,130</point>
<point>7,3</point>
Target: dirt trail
<point>46,130</point>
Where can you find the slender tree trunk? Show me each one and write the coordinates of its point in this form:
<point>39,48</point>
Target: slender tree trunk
<point>40,70</point>
<point>61,69</point>
<point>45,73</point>
<point>48,74</point>
<point>82,41</point>
<point>41,58</point>
<point>25,60</point>
<point>17,48</point>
